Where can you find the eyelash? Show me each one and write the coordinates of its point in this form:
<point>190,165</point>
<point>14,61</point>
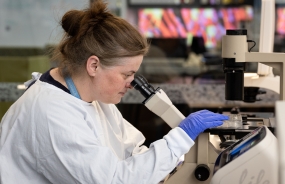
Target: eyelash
<point>127,75</point>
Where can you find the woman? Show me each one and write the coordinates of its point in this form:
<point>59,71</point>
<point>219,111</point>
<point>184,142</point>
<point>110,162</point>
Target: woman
<point>66,129</point>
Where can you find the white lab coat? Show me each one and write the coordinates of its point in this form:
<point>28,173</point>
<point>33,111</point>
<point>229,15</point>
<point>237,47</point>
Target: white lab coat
<point>49,136</point>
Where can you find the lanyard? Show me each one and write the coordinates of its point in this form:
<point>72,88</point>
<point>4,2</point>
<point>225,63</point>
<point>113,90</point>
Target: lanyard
<point>71,87</point>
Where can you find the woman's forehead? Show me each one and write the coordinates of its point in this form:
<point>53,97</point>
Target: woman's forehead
<point>130,62</point>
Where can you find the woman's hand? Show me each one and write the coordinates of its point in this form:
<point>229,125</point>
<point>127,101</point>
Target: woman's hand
<point>199,121</point>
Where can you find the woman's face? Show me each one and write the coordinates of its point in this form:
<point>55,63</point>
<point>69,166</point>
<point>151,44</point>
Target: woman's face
<point>111,83</point>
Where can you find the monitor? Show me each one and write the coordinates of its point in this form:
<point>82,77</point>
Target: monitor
<point>209,23</point>
<point>280,20</point>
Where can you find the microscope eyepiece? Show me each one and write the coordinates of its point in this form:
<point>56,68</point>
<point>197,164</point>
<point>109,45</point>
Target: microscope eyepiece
<point>141,84</point>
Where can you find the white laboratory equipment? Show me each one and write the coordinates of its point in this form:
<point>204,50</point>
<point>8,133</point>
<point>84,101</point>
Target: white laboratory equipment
<point>198,164</point>
<point>158,102</point>
<point>253,159</point>
<point>280,120</point>
<point>199,161</point>
<point>262,162</point>
<point>264,78</point>
<point>235,53</point>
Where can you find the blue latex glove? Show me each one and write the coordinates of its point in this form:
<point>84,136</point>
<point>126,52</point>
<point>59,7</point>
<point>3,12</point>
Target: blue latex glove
<point>199,121</point>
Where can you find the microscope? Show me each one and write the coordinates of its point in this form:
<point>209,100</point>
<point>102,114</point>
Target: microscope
<point>258,157</point>
<point>235,53</point>
<point>158,102</point>
<point>254,157</point>
<point>239,162</point>
<point>199,162</point>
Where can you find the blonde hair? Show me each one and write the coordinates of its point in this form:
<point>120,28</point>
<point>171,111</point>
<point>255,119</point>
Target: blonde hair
<point>96,31</point>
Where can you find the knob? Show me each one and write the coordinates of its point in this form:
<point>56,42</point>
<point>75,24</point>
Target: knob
<point>202,172</point>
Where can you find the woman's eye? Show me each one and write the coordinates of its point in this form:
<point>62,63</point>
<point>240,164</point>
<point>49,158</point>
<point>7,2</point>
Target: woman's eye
<point>127,75</point>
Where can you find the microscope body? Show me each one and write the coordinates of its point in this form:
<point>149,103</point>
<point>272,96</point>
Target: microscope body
<point>198,163</point>
<point>235,53</point>
<point>234,47</point>
<point>252,159</point>
<point>162,106</point>
<point>234,70</point>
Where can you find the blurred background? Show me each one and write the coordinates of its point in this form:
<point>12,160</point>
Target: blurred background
<point>184,58</point>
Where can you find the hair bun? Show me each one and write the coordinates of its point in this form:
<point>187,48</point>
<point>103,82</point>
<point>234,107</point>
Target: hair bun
<point>77,23</point>
<point>70,22</point>
<point>95,14</point>
<point>99,10</point>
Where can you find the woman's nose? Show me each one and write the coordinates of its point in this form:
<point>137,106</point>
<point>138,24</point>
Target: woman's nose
<point>129,86</point>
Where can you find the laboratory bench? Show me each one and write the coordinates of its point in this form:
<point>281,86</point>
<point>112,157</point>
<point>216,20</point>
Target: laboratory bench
<point>187,98</point>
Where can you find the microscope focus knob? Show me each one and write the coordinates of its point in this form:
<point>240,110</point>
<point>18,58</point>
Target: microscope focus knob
<point>202,172</point>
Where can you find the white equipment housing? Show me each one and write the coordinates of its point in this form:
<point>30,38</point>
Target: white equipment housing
<point>253,159</point>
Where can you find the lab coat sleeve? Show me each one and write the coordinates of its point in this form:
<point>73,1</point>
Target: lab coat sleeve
<point>68,152</point>
<point>132,137</point>
<point>154,164</point>
<point>138,139</point>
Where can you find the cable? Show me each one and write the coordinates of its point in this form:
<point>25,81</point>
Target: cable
<point>252,46</point>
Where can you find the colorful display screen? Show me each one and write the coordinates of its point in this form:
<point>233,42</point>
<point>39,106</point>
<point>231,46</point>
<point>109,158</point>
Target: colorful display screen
<point>210,23</point>
<point>280,21</point>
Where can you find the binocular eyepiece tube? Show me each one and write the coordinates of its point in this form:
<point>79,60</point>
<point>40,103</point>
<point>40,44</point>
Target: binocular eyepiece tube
<point>141,84</point>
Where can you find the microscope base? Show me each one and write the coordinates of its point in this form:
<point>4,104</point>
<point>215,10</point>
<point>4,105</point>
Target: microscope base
<point>185,175</point>
<point>200,159</point>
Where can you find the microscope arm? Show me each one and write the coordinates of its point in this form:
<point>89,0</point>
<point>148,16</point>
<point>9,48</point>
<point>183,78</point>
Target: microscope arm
<point>235,51</point>
<point>161,105</point>
<point>158,102</point>
<point>263,82</point>
<point>275,60</point>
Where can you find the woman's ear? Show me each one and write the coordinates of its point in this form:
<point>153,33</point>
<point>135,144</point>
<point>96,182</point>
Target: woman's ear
<point>92,65</point>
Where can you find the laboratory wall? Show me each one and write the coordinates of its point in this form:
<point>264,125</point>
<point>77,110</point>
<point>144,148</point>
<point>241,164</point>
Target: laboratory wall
<point>184,57</point>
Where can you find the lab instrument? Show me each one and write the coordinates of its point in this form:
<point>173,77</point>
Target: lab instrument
<point>235,53</point>
<point>199,161</point>
<point>253,159</point>
<point>158,102</point>
<point>280,116</point>
<point>198,164</point>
